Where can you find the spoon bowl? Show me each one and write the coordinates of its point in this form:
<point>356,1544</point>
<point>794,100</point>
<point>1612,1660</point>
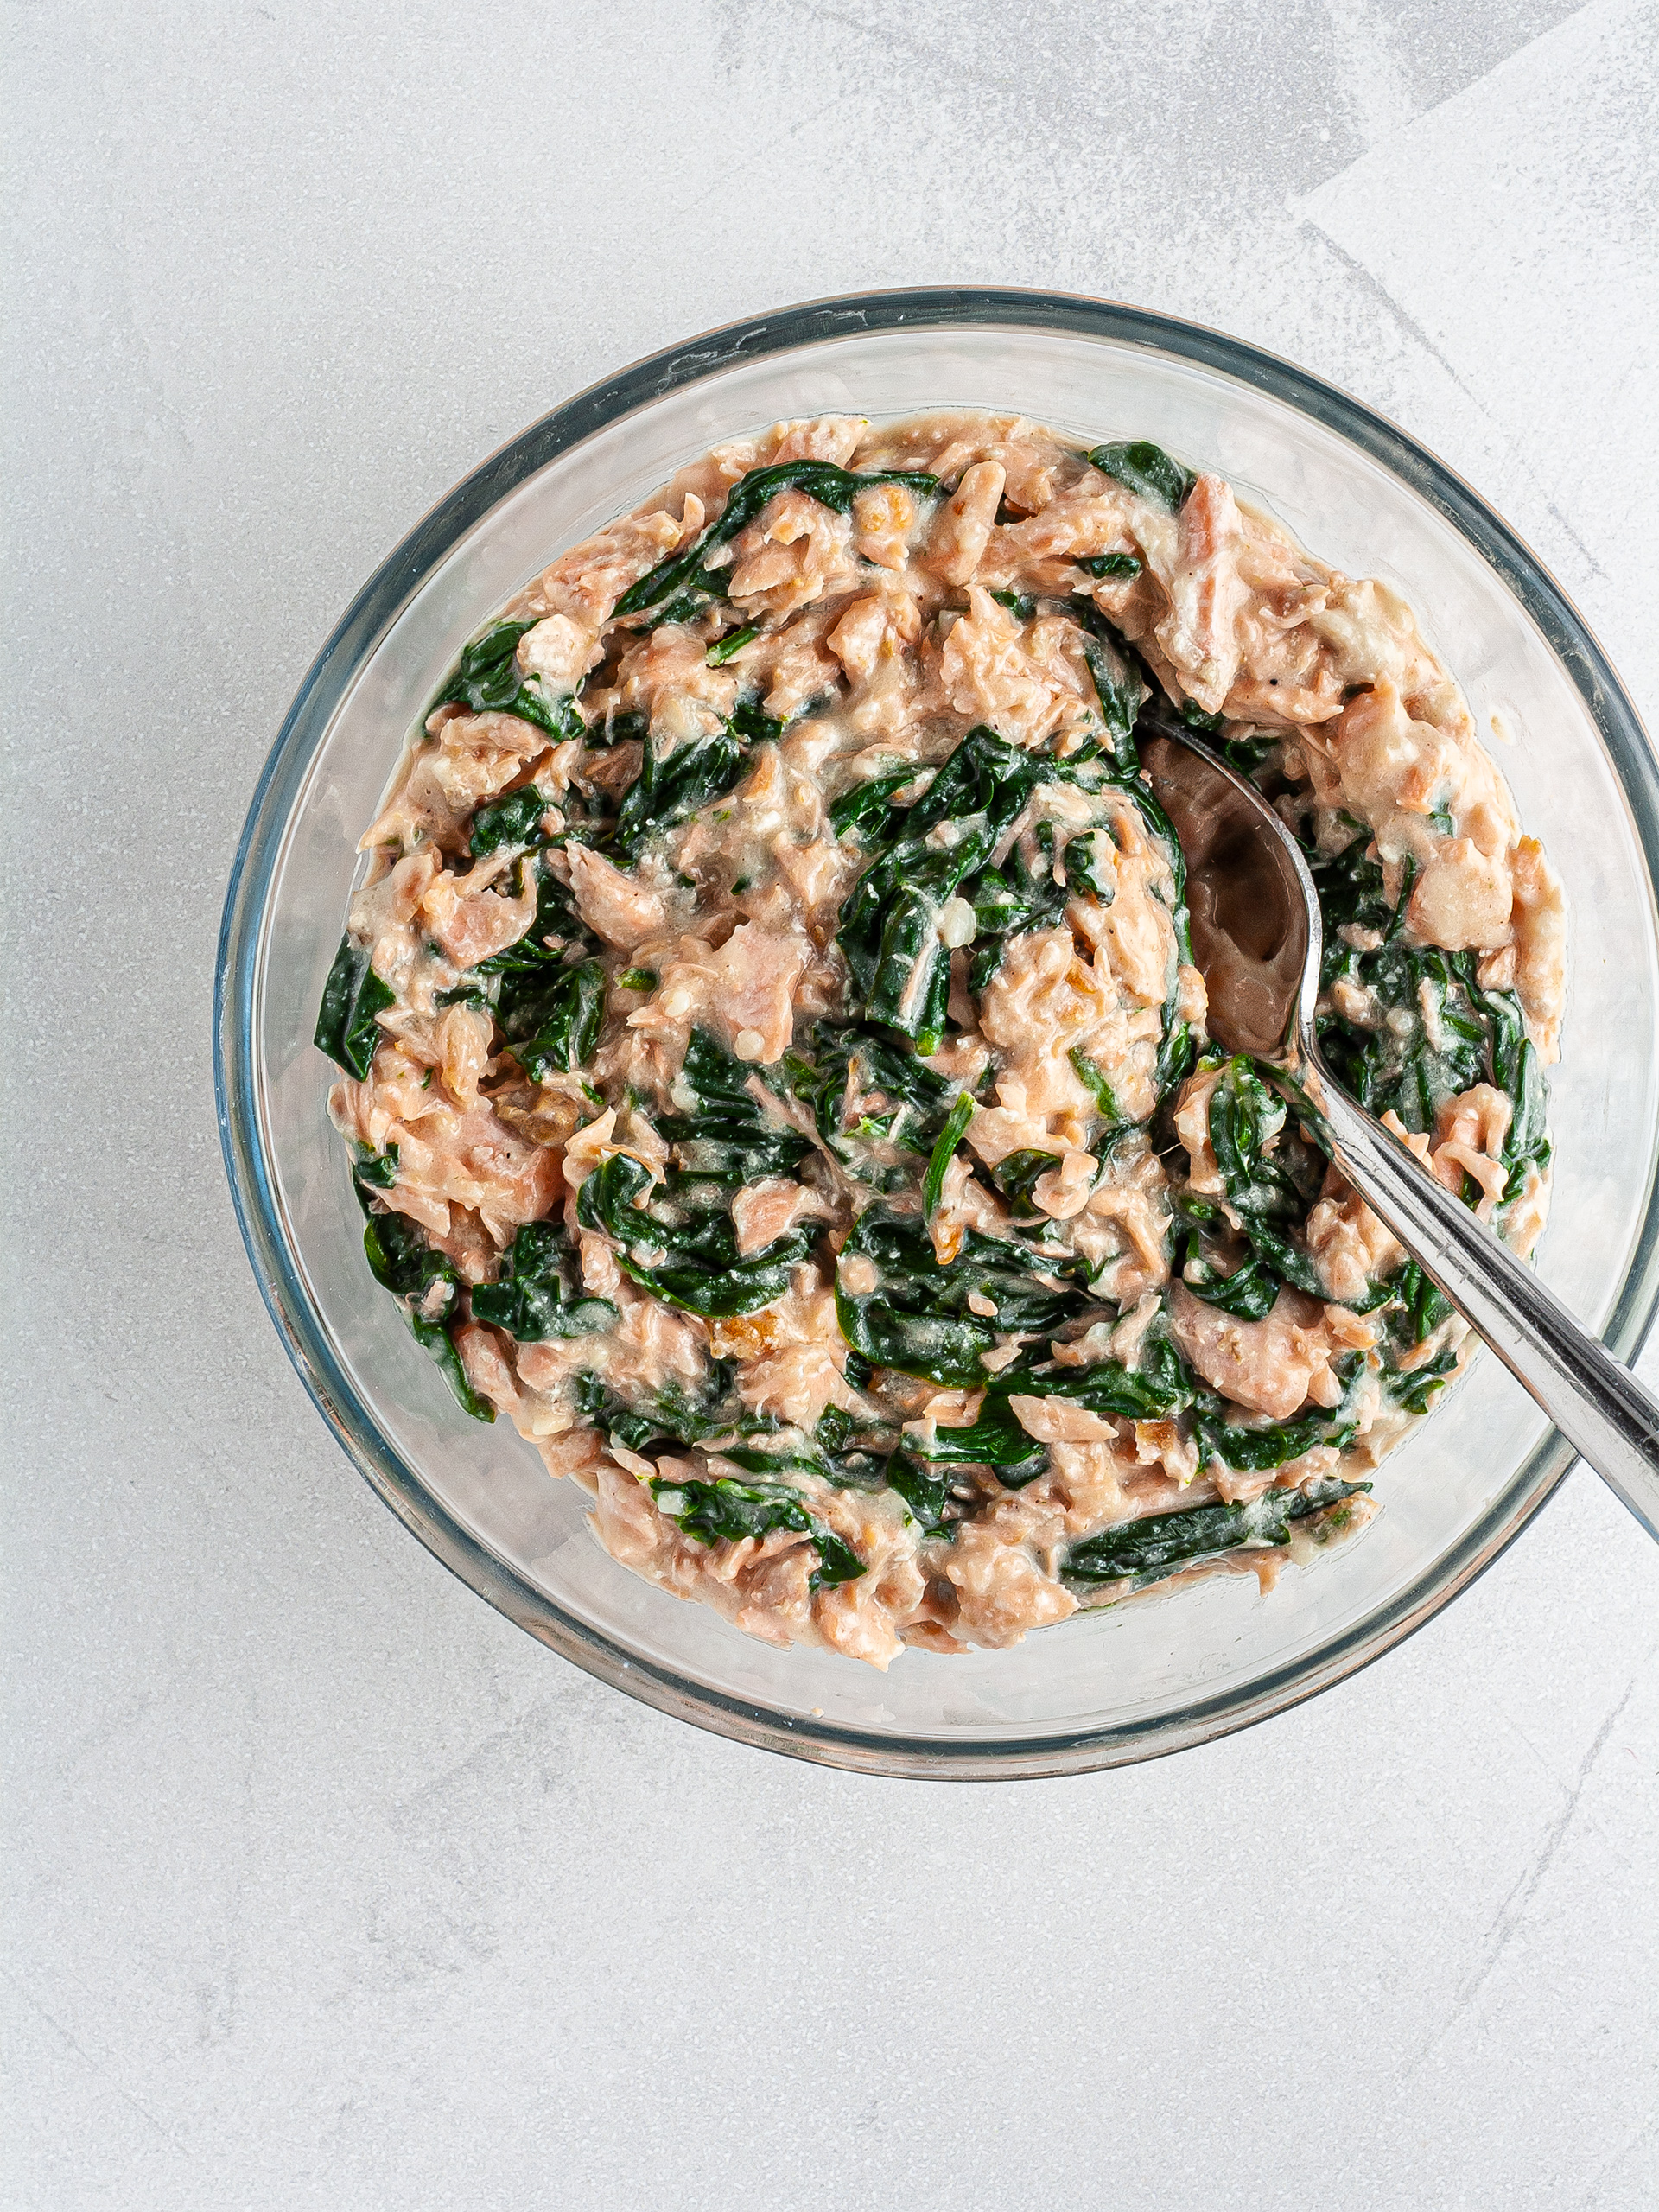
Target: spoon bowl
<point>1257,934</point>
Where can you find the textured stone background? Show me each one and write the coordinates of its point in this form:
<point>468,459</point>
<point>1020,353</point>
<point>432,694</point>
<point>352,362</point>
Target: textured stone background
<point>327,1888</point>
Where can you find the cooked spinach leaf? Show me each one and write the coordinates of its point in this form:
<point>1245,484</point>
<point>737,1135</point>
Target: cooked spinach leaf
<point>1094,1082</point>
<point>677,588</point>
<point>375,1171</point>
<point>866,808</point>
<point>984,775</point>
<point>889,921</point>
<point>1017,1174</point>
<point>1178,1047</point>
<point>620,726</point>
<point>693,1263</point>
<point>730,645</point>
<point>1424,1306</point>
<point>725,1135</point>
<point>1441,1033</point>
<point>995,1440</point>
<point>562,1010</point>
<point>1514,1068</point>
<point>433,1337</point>
<point>729,1511</point>
<point>1253,1451</point>
<point>1117,681</point>
<point>1146,470</point>
<point>1249,1294</point>
<point>1200,718</point>
<point>490,681</point>
<point>926,1494</point>
<point>807,1461</point>
<point>918,1317</point>
<point>755,727</point>
<point>835,1428</point>
<point>427,1287</point>
<point>848,1461</point>
<point>555,919</point>
<point>1109,564</point>
<point>1246,753</point>
<point>897,1101</point>
<point>347,1029</point>
<point>1176,1054</point>
<point>1414,1389</point>
<point>401,1260</point>
<point>1437,1048</point>
<point>931,1482</point>
<point>1145,1551</point>
<point>441,1344</point>
<point>1020,896</point>
<point>1089,863</point>
<point>513,820</point>
<point>891,937</point>
<point>671,1416</point>
<point>672,787</point>
<point>1439,1044</point>
<point>487,678</point>
<point>1157,1386</point>
<point>948,1138</point>
<point>1245,1118</point>
<point>539,1295</point>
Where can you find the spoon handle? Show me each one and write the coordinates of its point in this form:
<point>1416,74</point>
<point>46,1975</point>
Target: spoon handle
<point>1594,1401</point>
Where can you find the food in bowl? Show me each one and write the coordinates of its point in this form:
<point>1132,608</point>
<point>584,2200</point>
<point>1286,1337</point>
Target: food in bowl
<point>775,1066</point>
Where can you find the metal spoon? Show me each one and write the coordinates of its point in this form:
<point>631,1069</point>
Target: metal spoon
<point>1258,938</point>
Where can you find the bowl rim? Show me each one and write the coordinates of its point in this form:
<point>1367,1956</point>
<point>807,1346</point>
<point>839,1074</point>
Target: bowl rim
<point>360,630</point>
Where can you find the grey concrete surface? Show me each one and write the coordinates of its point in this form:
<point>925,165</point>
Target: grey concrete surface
<point>326,1888</point>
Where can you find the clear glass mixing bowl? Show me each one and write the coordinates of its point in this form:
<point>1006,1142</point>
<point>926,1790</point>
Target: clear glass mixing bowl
<point>1158,1674</point>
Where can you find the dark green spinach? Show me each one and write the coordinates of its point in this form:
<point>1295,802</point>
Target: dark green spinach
<point>561,1010</point>
<point>375,1171</point>
<point>1095,1084</point>
<point>944,1148</point>
<point>489,681</point>
<point>899,1102</point>
<point>889,921</point>
<point>1248,1293</point>
<point>726,1136</point>
<point>353,995</point>
<point>672,1415</point>
<point>865,809</point>
<point>671,787</point>
<point>729,647</point>
<point>427,1287</point>
<point>688,1257</point>
<point>403,1262</point>
<point>1146,469</point>
<point>1156,1387</point>
<point>995,1439</point>
<point>1145,1551</point>
<point>681,585</point>
<point>539,1295</point>
<point>917,1318</point>
<point>514,820</point>
<point>1246,1117</point>
<point>728,1511</point>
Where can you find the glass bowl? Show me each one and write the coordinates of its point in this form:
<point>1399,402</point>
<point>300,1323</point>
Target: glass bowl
<point>1136,1680</point>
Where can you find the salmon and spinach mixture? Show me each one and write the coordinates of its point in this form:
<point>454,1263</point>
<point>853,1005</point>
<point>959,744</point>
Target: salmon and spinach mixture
<point>776,1072</point>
